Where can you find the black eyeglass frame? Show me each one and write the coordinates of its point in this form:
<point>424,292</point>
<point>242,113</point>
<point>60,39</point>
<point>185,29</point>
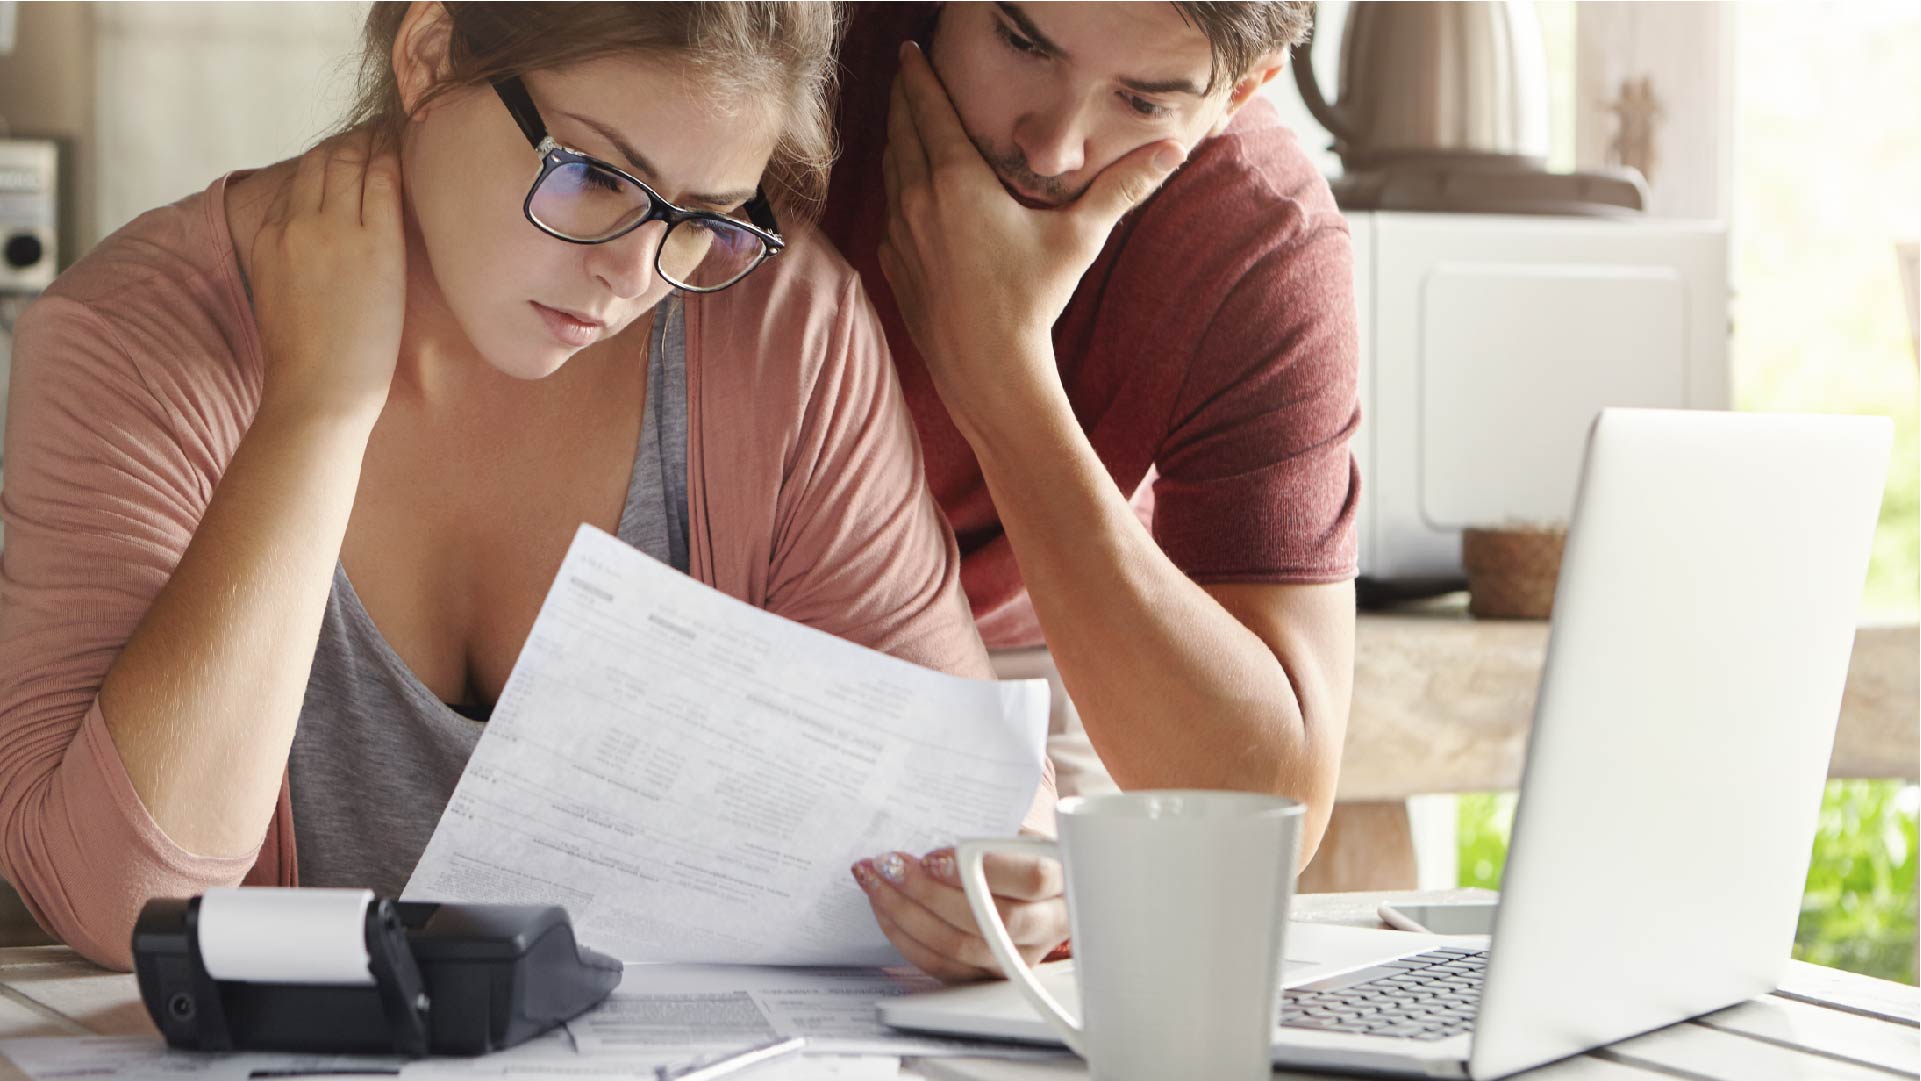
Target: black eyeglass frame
<point>760,212</point>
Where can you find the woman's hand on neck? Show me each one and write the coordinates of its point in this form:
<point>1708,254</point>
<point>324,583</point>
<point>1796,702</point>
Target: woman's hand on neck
<point>325,259</point>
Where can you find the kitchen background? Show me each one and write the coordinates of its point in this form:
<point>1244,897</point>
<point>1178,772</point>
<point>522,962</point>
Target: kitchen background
<point>1790,133</point>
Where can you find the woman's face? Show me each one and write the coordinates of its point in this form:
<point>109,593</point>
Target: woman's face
<point>506,283</point>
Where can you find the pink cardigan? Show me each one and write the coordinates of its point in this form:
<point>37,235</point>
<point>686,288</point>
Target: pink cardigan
<point>138,372</point>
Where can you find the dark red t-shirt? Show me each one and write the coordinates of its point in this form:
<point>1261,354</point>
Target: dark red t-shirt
<point>1212,342</point>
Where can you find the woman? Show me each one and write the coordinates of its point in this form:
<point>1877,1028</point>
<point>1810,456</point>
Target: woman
<point>293,461</point>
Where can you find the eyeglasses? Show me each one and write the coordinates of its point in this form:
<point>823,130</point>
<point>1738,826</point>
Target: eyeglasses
<point>583,200</point>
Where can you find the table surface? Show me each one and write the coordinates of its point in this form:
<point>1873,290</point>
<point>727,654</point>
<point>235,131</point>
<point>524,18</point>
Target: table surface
<point>1444,703</point>
<point>1822,1023</point>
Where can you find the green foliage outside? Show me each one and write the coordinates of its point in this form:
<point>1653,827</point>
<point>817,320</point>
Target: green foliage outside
<point>1859,911</point>
<point>1485,820</point>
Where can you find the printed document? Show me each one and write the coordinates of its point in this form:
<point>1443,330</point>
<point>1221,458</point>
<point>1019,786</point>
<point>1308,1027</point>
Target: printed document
<point>682,1006</point>
<point>692,777</point>
<point>147,1058</point>
<point>547,1058</point>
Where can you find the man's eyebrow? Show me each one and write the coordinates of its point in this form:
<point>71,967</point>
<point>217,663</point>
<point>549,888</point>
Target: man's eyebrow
<point>641,166</point>
<point>1164,86</point>
<point>1042,42</point>
<point>1052,48</point>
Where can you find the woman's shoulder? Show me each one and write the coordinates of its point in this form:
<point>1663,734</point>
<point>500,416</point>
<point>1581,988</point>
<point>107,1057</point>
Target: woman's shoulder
<point>175,252</point>
<point>787,321</point>
<point>157,309</point>
<point>804,281</point>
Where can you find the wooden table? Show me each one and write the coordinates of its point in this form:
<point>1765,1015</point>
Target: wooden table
<point>1821,1023</point>
<point>1443,703</point>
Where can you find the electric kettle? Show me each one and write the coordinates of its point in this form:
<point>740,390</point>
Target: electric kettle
<point>1432,82</point>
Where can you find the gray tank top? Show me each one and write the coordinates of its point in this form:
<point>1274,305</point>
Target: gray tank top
<point>376,755</point>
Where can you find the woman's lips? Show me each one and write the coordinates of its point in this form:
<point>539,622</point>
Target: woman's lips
<point>568,329</point>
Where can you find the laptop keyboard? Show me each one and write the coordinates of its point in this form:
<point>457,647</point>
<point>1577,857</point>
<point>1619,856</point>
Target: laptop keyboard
<point>1429,996</point>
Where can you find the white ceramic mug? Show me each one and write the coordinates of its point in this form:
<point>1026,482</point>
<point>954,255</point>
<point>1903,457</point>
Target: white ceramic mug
<point>1177,901</point>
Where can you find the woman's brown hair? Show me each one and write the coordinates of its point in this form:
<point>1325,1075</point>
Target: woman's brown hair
<point>740,51</point>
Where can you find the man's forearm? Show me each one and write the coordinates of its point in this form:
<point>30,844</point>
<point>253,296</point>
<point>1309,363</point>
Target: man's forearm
<point>1175,691</point>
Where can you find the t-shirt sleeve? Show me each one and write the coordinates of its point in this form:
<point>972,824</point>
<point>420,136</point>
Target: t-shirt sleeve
<point>100,500</point>
<point>1256,480</point>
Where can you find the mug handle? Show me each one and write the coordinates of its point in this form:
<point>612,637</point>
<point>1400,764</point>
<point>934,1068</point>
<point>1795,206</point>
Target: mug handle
<point>970,857</point>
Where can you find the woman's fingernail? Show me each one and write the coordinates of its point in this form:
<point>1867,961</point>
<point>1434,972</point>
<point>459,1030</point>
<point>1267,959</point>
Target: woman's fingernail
<point>893,867</point>
<point>940,865</point>
<point>864,874</point>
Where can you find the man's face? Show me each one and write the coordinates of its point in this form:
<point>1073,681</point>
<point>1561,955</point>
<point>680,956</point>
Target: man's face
<point>1051,94</point>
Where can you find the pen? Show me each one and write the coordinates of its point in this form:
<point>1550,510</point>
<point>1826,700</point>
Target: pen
<point>731,1062</point>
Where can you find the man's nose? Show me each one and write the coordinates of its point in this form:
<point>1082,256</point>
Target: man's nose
<point>1054,142</point>
<point>626,265</point>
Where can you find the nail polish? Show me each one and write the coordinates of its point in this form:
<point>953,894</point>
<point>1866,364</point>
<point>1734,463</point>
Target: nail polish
<point>864,874</point>
<point>941,866</point>
<point>893,867</point>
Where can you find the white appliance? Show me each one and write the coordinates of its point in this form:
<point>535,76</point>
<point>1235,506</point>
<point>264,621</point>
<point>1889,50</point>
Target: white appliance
<point>29,208</point>
<point>1488,343</point>
<point>29,233</point>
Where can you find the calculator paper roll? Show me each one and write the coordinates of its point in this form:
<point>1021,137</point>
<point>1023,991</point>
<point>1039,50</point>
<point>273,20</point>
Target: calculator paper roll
<point>275,935</point>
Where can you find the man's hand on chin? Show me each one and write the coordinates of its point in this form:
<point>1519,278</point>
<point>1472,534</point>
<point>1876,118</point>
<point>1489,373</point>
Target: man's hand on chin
<point>979,277</point>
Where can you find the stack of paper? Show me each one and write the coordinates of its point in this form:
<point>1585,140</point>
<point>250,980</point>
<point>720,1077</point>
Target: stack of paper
<point>662,1015</point>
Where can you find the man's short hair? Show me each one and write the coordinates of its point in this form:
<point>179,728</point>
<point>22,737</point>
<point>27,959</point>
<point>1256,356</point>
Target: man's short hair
<point>1241,34</point>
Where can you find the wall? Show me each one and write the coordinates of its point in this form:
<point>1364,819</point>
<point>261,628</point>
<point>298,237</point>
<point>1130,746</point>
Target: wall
<point>1686,52</point>
<point>155,100</point>
<point>187,91</point>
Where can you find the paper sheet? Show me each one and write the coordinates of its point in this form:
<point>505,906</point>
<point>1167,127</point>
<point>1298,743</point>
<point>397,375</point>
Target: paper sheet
<point>293,935</point>
<point>790,1068</point>
<point>692,777</point>
<point>550,1057</point>
<point>799,1067</point>
<point>558,1061</point>
<point>59,1058</point>
<point>728,1005</point>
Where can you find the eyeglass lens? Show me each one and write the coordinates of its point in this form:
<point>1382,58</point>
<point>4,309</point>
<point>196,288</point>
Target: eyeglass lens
<point>584,202</point>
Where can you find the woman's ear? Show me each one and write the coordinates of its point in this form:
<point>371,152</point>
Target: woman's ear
<point>420,52</point>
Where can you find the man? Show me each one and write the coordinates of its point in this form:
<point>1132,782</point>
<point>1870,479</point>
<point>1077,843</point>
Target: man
<point>1105,268</point>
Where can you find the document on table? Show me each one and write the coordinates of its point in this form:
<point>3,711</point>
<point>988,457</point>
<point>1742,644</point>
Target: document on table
<point>72,1058</point>
<point>547,1058</point>
<point>739,1005</point>
<point>692,777</point>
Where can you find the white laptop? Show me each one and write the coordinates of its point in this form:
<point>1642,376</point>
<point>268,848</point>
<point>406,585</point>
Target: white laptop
<point>1702,626</point>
